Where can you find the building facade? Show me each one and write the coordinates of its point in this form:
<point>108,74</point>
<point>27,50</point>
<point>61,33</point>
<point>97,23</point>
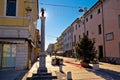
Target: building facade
<point>67,41</point>
<point>60,45</point>
<point>102,24</point>
<point>17,33</point>
<point>50,49</point>
<point>55,47</point>
<point>37,43</point>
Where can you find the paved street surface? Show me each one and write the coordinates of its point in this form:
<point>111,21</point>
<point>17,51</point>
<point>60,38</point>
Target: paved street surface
<point>71,66</point>
<point>106,72</point>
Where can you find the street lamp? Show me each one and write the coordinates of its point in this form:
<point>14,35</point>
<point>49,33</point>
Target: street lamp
<point>83,10</point>
<point>83,18</point>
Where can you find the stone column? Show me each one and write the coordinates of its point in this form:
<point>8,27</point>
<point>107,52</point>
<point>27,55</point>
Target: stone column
<point>42,60</point>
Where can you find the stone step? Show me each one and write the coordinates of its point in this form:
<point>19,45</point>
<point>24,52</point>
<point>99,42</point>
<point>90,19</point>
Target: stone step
<point>42,76</point>
<point>42,73</point>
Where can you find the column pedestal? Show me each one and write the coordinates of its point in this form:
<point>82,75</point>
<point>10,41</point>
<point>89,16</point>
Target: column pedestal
<point>42,63</point>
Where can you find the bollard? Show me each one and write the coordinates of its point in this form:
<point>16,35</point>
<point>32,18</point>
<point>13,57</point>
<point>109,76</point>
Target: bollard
<point>96,66</point>
<point>69,76</point>
<point>60,68</point>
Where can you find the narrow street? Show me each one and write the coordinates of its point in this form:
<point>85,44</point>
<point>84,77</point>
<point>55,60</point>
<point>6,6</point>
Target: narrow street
<point>77,72</point>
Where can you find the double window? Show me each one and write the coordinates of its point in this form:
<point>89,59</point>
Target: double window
<point>11,8</point>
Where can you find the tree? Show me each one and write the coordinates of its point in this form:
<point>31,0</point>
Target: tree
<point>85,49</point>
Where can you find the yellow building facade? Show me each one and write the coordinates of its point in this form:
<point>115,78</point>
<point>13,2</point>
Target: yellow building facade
<point>56,47</point>
<point>37,42</point>
<point>18,20</point>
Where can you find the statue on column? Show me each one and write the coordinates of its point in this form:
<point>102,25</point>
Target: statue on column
<point>42,10</point>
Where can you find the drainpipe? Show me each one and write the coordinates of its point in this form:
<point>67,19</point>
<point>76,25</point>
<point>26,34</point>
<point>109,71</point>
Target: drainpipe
<point>103,30</point>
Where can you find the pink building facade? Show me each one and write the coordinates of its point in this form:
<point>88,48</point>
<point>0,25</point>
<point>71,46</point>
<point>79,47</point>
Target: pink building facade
<point>102,24</point>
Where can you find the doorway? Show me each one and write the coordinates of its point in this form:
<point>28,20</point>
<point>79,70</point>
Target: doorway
<point>100,52</point>
<point>8,56</point>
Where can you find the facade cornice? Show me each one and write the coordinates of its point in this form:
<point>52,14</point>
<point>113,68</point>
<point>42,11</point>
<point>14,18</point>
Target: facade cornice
<point>76,20</point>
<point>19,17</point>
<point>96,5</point>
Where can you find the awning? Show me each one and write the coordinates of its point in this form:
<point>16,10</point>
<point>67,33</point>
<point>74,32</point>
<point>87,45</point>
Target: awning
<point>32,44</point>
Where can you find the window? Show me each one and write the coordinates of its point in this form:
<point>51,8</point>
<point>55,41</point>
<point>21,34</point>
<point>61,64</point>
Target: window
<point>76,27</point>
<point>11,8</point>
<point>79,25</point>
<point>79,37</point>
<point>109,36</point>
<point>99,29</point>
<point>119,20</point>
<point>91,16</point>
<point>87,33</point>
<point>75,39</point>
<point>86,19</point>
<point>98,11</point>
<point>119,49</point>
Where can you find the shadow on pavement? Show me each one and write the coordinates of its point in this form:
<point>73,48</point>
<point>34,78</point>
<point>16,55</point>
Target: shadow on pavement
<point>59,65</point>
<point>61,75</point>
<point>106,73</point>
<point>12,74</point>
<point>42,76</point>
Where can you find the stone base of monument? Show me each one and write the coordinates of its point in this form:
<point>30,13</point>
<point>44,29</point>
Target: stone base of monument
<point>42,76</point>
<point>44,69</point>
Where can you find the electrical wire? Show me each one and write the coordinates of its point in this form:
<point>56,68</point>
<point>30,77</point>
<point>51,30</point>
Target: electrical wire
<point>60,5</point>
<point>52,36</point>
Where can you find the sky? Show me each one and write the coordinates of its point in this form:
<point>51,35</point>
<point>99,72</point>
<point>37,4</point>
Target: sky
<point>59,15</point>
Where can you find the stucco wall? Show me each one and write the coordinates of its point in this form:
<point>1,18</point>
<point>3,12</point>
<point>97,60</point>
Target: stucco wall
<point>111,23</point>
<point>13,32</point>
<point>21,56</point>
